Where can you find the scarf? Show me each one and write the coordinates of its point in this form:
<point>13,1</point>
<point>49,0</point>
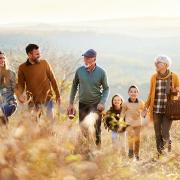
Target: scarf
<point>164,76</point>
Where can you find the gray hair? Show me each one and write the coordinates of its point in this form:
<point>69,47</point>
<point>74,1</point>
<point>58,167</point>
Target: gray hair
<point>163,59</point>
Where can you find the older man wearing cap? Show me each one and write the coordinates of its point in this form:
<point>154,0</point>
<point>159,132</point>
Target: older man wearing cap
<point>163,83</point>
<point>91,81</point>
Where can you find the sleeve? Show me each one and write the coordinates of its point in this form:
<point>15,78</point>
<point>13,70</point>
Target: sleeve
<point>53,81</point>
<point>123,112</point>
<point>13,79</point>
<point>74,87</point>
<point>176,83</point>
<point>20,87</point>
<point>105,87</point>
<point>142,105</point>
<point>148,101</point>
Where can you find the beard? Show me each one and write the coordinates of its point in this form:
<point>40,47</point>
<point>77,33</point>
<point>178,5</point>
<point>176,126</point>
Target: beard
<point>36,60</point>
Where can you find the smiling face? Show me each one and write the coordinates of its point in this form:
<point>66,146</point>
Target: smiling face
<point>34,55</point>
<point>89,61</point>
<point>2,60</point>
<point>117,102</point>
<point>161,67</point>
<point>133,93</point>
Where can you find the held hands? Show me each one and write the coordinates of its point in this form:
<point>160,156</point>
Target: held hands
<point>144,113</point>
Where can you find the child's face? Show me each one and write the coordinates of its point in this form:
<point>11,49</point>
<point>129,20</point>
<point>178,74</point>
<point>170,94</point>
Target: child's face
<point>133,93</point>
<point>117,101</point>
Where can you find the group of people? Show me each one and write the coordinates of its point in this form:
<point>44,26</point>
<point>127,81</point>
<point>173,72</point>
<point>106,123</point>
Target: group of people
<point>91,81</point>
<point>36,82</point>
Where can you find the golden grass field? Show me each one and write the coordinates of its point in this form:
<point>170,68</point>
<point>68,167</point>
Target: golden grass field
<point>42,151</point>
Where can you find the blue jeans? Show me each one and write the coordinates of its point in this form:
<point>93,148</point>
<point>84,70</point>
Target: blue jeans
<point>119,141</point>
<point>9,109</point>
<point>50,106</point>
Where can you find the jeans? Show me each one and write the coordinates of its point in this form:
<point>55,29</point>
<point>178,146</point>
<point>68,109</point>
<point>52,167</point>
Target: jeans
<point>84,110</point>
<point>8,109</point>
<point>162,127</point>
<point>119,141</point>
<point>48,107</point>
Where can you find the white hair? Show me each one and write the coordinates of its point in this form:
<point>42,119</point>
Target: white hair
<point>163,59</point>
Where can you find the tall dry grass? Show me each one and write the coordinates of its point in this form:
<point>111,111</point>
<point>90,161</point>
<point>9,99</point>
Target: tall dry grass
<point>46,150</point>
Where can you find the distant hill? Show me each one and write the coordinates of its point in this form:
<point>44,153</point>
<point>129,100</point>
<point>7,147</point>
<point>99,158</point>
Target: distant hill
<point>126,47</point>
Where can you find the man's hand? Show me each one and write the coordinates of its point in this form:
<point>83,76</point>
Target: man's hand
<point>100,107</point>
<point>22,98</point>
<point>71,111</point>
<point>58,101</point>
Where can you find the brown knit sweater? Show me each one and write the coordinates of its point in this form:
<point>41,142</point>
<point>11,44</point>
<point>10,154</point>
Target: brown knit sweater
<point>38,80</point>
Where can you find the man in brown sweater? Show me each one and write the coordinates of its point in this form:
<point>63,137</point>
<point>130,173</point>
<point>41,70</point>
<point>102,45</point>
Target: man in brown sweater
<point>36,77</point>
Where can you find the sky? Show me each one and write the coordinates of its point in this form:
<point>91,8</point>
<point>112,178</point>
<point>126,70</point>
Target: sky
<point>16,11</point>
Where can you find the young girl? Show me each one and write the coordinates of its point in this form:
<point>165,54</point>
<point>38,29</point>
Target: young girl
<point>111,121</point>
<point>7,86</point>
<point>131,111</point>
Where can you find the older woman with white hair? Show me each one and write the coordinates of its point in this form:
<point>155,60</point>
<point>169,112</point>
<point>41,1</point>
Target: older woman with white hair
<point>163,83</point>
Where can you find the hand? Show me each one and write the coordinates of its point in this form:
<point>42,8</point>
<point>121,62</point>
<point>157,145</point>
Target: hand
<point>174,91</point>
<point>100,107</point>
<point>144,113</point>
<point>22,98</point>
<point>58,101</point>
<point>71,111</point>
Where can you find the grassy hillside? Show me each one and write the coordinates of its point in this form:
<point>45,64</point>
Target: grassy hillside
<point>31,150</point>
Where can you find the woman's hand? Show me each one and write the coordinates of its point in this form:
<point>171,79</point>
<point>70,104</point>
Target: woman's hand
<point>174,91</point>
<point>22,98</point>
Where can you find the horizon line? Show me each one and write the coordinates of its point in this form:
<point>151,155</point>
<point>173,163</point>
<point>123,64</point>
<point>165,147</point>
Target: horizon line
<point>86,20</point>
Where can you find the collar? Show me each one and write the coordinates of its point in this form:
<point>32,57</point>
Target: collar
<point>28,63</point>
<point>136,101</point>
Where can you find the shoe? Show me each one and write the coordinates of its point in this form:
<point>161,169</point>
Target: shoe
<point>130,154</point>
<point>137,158</point>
